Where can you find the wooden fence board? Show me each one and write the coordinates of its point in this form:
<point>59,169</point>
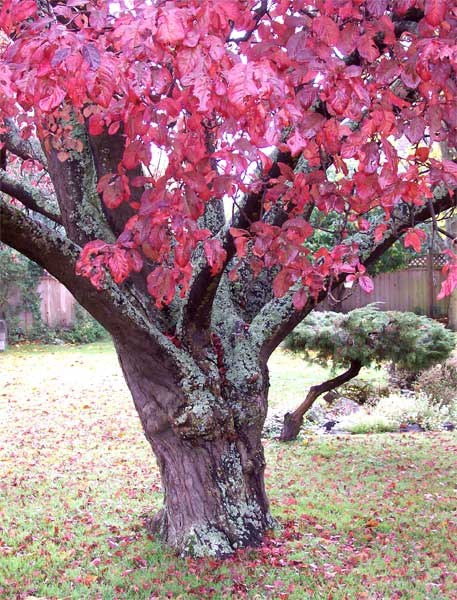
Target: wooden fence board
<point>57,304</point>
<point>406,290</point>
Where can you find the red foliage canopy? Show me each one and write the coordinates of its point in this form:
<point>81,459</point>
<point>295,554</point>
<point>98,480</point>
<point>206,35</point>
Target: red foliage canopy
<point>362,90</point>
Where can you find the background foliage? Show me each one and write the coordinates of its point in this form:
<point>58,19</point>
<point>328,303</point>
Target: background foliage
<point>370,335</point>
<point>17,273</point>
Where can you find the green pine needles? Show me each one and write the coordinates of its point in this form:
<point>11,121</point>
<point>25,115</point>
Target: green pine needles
<point>372,336</point>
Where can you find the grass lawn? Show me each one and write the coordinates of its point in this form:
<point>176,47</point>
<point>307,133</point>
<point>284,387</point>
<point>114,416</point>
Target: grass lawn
<point>361,517</point>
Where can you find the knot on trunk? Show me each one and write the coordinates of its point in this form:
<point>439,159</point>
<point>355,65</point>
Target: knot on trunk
<point>249,410</point>
<point>203,417</point>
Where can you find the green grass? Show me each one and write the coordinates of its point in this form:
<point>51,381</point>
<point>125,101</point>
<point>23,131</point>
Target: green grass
<point>360,516</point>
<point>291,376</point>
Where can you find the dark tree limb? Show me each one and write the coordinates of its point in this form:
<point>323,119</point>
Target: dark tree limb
<point>107,151</point>
<point>443,200</point>
<point>293,421</point>
<point>26,149</point>
<point>75,184</point>
<point>446,233</point>
<point>112,306</point>
<point>78,208</point>
<point>30,196</point>
<point>47,247</point>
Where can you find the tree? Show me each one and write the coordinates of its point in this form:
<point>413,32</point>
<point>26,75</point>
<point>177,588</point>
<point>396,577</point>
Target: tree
<point>360,338</point>
<point>133,127</point>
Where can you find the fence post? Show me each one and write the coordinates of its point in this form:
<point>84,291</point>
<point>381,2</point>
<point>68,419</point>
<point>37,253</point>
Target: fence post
<point>431,283</point>
<point>3,335</point>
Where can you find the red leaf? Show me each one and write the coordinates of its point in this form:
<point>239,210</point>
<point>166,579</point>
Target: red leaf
<point>296,143</point>
<point>15,11</point>
<point>162,285</point>
<point>52,101</point>
<point>96,124</point>
<point>449,284</point>
<point>414,130</point>
<point>235,232</point>
<point>379,232</point>
<point>241,245</point>
<point>118,264</point>
<point>340,98</point>
<point>172,26</point>
<point>326,30</point>
<point>299,299</point>
<point>414,239</point>
<point>91,55</point>
<point>307,95</point>
<point>435,11</point>
<point>367,48</point>
<point>241,84</point>
<point>366,283</point>
<point>135,153</point>
<point>377,7</point>
<point>135,261</point>
<point>202,91</point>
<point>298,229</point>
<point>402,6</point>
<point>59,56</point>
<point>311,123</point>
<point>422,154</point>
<point>370,157</point>
<point>282,282</point>
<point>114,193</point>
<point>215,255</point>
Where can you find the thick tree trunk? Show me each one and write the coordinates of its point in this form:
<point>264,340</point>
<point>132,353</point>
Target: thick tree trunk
<point>212,471</point>
<point>215,497</point>
<point>293,421</point>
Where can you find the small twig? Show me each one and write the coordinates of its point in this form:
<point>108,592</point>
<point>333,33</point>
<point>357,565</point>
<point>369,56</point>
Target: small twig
<point>260,13</point>
<point>447,234</point>
<point>242,211</point>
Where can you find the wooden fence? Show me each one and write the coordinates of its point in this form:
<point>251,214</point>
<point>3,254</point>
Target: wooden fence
<point>413,289</point>
<point>57,304</point>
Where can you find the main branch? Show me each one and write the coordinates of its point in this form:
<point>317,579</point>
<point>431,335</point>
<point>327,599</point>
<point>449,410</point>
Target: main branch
<point>30,196</point>
<point>204,286</point>
<point>29,149</point>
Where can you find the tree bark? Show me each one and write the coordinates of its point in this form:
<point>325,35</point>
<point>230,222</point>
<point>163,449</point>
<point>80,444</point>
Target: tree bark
<point>293,421</point>
<point>212,470</point>
<point>215,500</point>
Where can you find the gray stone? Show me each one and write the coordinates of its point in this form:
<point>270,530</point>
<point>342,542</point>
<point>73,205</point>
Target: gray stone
<point>316,414</point>
<point>342,408</point>
<point>411,427</point>
<point>273,424</point>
